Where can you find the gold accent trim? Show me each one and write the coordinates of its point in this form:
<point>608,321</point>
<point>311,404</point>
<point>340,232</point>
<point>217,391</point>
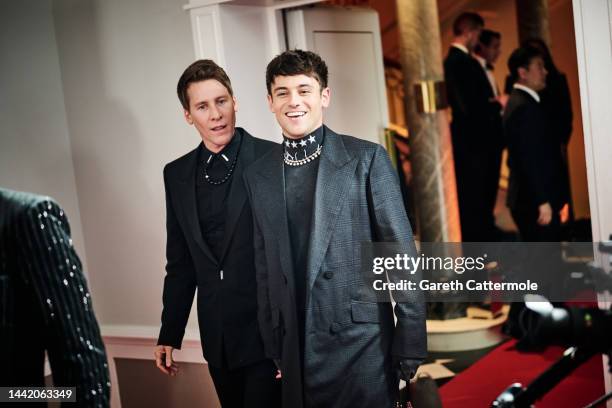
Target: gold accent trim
<point>430,96</point>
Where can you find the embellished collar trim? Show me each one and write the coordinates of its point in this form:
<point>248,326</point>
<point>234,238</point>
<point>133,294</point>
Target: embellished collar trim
<point>297,152</point>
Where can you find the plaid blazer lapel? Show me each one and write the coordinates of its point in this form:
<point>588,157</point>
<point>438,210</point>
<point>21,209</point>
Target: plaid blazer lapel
<point>336,167</point>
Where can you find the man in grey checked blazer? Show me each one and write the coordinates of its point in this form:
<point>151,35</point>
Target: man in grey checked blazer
<point>315,199</point>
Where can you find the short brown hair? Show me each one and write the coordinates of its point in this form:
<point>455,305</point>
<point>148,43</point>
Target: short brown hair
<point>201,70</point>
<point>467,21</point>
<point>297,62</point>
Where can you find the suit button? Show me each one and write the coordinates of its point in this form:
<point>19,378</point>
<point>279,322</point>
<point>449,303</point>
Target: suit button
<point>334,328</point>
<point>328,275</point>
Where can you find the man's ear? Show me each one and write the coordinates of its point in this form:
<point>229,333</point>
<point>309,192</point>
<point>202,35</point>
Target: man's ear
<point>235,104</point>
<point>522,72</point>
<point>325,97</point>
<point>188,116</point>
<point>270,106</point>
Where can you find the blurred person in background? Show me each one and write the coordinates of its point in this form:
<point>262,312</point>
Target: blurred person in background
<point>475,121</point>
<point>45,305</point>
<point>535,192</point>
<point>486,53</point>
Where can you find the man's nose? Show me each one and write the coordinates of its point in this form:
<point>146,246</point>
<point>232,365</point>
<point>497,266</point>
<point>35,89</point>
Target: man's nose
<point>294,99</point>
<point>215,113</point>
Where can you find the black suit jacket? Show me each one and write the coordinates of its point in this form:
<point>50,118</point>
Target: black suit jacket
<point>476,121</point>
<point>350,338</point>
<point>227,308</point>
<point>534,157</point>
<point>45,304</point>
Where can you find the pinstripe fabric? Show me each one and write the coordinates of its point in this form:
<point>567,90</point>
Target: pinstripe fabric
<point>351,339</point>
<point>50,301</point>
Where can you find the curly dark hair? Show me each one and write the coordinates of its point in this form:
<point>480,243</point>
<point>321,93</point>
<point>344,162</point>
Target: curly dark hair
<point>297,62</point>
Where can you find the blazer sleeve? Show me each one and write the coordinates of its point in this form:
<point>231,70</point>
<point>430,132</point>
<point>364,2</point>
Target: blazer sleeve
<point>264,310</point>
<point>179,283</point>
<point>390,224</point>
<point>74,344</point>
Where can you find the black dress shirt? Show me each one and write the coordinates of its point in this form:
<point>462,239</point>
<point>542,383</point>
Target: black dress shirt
<point>211,198</point>
<point>300,185</point>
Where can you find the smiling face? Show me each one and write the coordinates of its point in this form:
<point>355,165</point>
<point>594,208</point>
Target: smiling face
<point>212,110</point>
<point>297,101</point>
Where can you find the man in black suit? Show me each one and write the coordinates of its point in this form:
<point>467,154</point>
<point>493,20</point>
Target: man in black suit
<point>535,193</point>
<point>486,53</point>
<point>475,129</point>
<point>210,245</point>
<point>45,305</point>
<point>315,199</point>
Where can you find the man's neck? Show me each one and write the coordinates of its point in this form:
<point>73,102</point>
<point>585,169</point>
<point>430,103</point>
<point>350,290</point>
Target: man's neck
<point>524,87</point>
<point>460,44</point>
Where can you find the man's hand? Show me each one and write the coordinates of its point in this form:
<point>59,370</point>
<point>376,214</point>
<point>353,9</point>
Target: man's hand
<point>163,360</point>
<point>564,213</point>
<point>407,367</point>
<point>545,214</point>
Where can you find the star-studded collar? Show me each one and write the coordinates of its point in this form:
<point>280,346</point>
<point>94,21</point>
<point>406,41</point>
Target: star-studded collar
<point>297,149</point>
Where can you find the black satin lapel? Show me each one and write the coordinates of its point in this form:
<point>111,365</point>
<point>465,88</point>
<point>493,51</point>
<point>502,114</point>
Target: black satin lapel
<point>187,197</point>
<point>271,186</point>
<point>237,195</point>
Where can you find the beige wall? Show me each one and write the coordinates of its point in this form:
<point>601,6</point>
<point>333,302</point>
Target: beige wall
<point>35,146</point>
<point>120,61</point>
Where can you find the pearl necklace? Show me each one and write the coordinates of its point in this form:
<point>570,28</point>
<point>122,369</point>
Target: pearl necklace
<point>307,159</point>
<point>218,182</point>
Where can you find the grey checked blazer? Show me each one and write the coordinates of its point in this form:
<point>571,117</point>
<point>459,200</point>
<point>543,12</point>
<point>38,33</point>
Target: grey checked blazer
<point>350,339</point>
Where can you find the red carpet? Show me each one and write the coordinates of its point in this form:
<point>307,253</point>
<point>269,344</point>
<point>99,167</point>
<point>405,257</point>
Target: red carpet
<point>482,382</point>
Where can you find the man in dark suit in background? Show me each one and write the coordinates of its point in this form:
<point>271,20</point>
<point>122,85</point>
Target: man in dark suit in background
<point>210,245</point>
<point>475,129</point>
<point>535,193</point>
<point>45,305</point>
<point>315,199</point>
<point>557,103</point>
<point>486,53</point>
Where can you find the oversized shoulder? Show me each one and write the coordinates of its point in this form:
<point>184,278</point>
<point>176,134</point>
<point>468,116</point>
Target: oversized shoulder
<point>519,103</point>
<point>357,147</point>
<point>19,206</point>
<point>261,145</point>
<point>174,167</point>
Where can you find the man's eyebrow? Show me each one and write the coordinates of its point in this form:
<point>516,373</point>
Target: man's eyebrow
<point>305,86</point>
<point>280,88</point>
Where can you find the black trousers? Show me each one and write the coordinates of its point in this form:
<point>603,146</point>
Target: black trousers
<point>252,386</point>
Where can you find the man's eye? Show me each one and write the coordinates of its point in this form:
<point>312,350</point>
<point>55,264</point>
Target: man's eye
<point>305,91</point>
<point>202,107</point>
<point>281,94</point>
<point>222,101</point>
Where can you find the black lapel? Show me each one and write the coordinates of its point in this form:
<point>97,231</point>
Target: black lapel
<point>270,192</point>
<point>336,168</point>
<point>237,194</point>
<point>186,189</point>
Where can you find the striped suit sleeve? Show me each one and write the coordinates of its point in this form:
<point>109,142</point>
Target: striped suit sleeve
<point>53,269</point>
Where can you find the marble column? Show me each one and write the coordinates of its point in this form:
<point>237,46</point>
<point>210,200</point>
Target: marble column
<point>431,150</point>
<point>435,193</point>
<point>532,19</point>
